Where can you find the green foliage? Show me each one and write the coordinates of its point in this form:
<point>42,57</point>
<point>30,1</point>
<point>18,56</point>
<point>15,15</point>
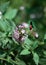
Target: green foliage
<point>10,14</point>
<point>33,50</point>
<point>36,58</point>
<point>25,52</point>
<point>4,25</point>
<point>4,6</point>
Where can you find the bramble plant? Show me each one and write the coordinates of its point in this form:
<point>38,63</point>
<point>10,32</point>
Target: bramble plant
<point>23,32</point>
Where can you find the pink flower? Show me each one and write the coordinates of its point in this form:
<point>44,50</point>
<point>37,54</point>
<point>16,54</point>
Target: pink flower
<point>19,32</point>
<point>16,34</point>
<point>20,26</point>
<point>23,38</point>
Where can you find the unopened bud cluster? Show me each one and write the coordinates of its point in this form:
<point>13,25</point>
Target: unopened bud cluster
<point>20,33</point>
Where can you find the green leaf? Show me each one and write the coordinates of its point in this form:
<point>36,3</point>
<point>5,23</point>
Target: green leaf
<point>9,60</point>
<point>4,6</point>
<point>5,42</point>
<point>4,25</point>
<point>20,62</point>
<point>42,61</point>
<point>25,52</point>
<point>35,45</point>
<point>28,41</point>
<point>36,58</point>
<point>2,55</point>
<point>16,62</point>
<point>2,34</point>
<point>45,38</point>
<point>44,53</point>
<point>10,14</point>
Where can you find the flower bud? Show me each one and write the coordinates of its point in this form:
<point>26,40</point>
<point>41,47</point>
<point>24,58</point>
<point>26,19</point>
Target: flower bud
<point>25,25</point>
<point>0,14</point>
<point>30,27</point>
<point>16,34</point>
<point>22,31</point>
<point>36,35</point>
<point>22,8</point>
<point>23,38</point>
<point>20,26</point>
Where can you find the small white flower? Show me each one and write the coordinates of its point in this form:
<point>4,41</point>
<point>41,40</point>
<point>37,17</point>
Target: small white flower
<point>22,8</point>
<point>25,25</point>
<point>20,26</point>
<point>32,16</point>
<point>36,35</point>
<point>16,34</point>
<point>0,13</point>
<point>22,31</point>
<point>23,38</point>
